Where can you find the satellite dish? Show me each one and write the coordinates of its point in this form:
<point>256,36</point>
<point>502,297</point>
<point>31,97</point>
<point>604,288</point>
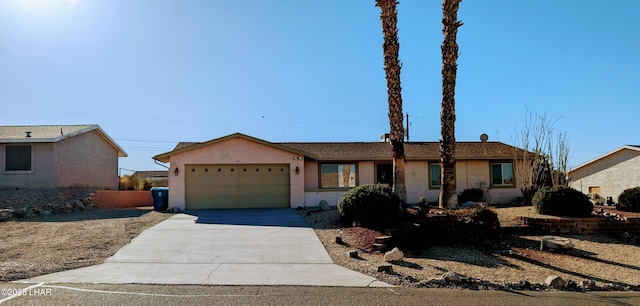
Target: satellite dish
<point>484,137</point>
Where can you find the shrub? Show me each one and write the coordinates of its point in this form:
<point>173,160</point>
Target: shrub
<point>629,200</point>
<point>478,215</point>
<point>423,206</point>
<point>368,203</point>
<point>147,184</point>
<point>129,182</point>
<point>562,201</point>
<point>528,193</point>
<point>471,194</point>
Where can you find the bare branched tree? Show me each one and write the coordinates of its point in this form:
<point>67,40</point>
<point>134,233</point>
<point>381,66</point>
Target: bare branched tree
<point>545,155</point>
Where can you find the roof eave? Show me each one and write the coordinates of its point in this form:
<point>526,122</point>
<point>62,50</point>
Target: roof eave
<point>166,157</point>
<point>629,147</point>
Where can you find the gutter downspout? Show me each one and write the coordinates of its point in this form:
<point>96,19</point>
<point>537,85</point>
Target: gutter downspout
<point>159,164</point>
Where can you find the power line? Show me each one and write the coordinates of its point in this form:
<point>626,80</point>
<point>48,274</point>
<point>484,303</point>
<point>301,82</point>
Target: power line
<point>218,122</point>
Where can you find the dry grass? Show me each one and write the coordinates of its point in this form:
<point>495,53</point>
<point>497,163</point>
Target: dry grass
<point>597,257</point>
<point>52,243</point>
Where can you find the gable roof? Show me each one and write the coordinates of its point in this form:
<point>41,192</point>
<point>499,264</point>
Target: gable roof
<point>625,147</point>
<point>52,133</point>
<point>347,151</point>
<point>188,146</point>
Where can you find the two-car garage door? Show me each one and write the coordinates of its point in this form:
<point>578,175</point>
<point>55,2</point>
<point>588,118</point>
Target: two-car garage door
<point>218,186</point>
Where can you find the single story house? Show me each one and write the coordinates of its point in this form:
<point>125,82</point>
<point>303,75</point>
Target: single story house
<point>608,175</point>
<point>58,156</point>
<point>159,178</point>
<point>240,171</point>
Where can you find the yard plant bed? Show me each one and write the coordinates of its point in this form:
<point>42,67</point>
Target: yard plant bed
<point>515,262</point>
<point>51,243</point>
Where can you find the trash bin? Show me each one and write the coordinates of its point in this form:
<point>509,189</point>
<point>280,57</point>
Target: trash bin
<point>160,198</point>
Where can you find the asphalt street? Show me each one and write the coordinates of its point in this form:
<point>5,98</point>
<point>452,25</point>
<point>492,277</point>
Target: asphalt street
<point>131,294</point>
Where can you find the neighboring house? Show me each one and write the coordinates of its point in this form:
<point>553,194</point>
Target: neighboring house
<point>58,156</point>
<point>239,171</point>
<point>159,178</point>
<point>608,175</point>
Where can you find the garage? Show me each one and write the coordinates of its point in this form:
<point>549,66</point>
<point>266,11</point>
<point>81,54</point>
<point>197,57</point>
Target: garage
<point>223,186</point>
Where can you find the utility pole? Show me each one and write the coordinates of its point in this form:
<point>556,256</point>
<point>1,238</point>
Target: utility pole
<point>407,129</point>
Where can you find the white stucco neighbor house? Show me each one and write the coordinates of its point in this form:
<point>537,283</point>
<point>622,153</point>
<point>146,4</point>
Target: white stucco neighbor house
<point>608,175</point>
<point>240,171</point>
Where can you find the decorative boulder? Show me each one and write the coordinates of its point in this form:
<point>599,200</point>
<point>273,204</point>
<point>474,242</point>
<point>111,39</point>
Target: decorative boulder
<point>394,255</point>
<point>323,205</point>
<point>452,277</point>
<point>555,243</point>
<point>555,281</point>
<point>588,284</point>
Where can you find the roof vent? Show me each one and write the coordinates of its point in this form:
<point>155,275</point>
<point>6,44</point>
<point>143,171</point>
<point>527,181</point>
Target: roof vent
<point>385,137</point>
<point>28,134</point>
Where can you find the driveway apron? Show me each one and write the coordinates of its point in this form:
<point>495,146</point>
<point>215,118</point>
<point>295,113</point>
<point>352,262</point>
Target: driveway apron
<point>222,247</point>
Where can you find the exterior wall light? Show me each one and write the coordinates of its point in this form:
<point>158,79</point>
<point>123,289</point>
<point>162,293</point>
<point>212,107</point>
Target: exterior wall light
<point>176,172</point>
<point>297,170</point>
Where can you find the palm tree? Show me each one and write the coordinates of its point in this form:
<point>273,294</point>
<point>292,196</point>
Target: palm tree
<point>390,49</point>
<point>450,24</point>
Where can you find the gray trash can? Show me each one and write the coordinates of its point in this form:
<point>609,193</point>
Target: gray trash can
<point>160,198</point>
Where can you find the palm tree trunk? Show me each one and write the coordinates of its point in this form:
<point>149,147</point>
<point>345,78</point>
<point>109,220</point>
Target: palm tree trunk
<point>448,196</point>
<point>391,48</point>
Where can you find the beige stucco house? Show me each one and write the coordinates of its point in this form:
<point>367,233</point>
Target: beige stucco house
<point>58,156</point>
<point>239,171</point>
<point>608,175</point>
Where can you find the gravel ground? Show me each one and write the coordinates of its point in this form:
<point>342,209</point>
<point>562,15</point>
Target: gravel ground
<point>51,243</point>
<point>606,260</point>
<point>46,244</point>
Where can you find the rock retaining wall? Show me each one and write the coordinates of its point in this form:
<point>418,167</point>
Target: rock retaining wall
<point>66,206</point>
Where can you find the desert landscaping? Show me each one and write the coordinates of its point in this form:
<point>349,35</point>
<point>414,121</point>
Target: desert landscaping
<point>77,237</point>
<point>597,262</point>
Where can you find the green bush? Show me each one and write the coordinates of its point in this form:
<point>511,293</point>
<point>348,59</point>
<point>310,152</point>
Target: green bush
<point>368,203</point>
<point>629,200</point>
<point>562,201</point>
<point>471,194</point>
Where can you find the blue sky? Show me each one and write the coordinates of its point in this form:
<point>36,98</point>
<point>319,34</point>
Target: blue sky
<point>153,73</point>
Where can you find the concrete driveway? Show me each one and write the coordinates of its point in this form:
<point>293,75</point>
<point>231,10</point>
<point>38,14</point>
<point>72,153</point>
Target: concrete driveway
<point>222,247</point>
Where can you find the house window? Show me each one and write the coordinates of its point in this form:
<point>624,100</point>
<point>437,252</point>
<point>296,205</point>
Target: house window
<point>18,158</point>
<point>502,175</point>
<point>337,175</point>
<point>384,174</point>
<point>435,178</point>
